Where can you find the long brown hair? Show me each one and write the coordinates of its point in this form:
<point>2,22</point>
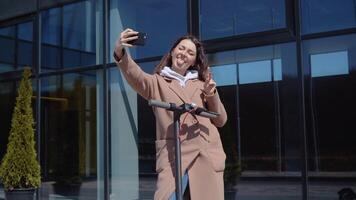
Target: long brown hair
<point>201,61</point>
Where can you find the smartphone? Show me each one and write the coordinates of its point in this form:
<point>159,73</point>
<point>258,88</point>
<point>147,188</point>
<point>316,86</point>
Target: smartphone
<point>141,40</point>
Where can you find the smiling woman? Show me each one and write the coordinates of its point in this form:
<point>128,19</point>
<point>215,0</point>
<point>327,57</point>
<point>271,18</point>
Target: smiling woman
<point>183,56</point>
<point>181,77</point>
<point>186,53</point>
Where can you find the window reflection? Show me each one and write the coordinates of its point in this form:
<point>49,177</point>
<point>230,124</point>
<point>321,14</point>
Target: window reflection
<point>8,31</point>
<point>225,75</point>
<point>25,32</point>
<point>277,69</point>
<point>234,17</point>
<point>329,64</point>
<point>260,137</point>
<point>251,72</point>
<point>70,139</point>
<point>148,67</point>
<point>260,71</point>
<point>7,103</point>
<point>51,26</point>
<point>7,55</point>
<point>133,165</point>
<point>330,112</point>
<point>19,48</point>
<point>71,35</point>
<point>254,72</point>
<point>24,49</point>
<point>5,67</point>
<point>79,26</point>
<point>146,16</point>
<point>125,156</point>
<point>327,15</point>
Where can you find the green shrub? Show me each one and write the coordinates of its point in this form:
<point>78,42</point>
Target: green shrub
<point>19,167</point>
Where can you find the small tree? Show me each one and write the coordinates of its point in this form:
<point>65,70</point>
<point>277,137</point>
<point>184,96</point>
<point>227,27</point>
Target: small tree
<point>19,167</point>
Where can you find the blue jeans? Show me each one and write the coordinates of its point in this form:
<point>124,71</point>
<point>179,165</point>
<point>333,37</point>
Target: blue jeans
<point>184,186</point>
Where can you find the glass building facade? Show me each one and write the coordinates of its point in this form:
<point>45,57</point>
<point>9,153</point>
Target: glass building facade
<point>285,71</point>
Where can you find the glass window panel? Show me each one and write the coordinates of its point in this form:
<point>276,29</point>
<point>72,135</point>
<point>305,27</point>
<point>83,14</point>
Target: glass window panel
<point>277,69</point>
<point>51,57</point>
<point>147,138</point>
<point>330,111</point>
<point>260,71</point>
<point>72,58</point>
<point>134,133</point>
<point>8,31</point>
<point>224,75</point>
<point>148,67</point>
<point>262,132</point>
<point>25,48</point>
<point>78,30</point>
<point>255,72</point>
<point>25,31</point>
<point>75,31</point>
<point>24,53</point>
<point>234,17</point>
<point>71,123</point>
<point>327,15</point>
<point>51,26</point>
<point>261,112</point>
<point>7,103</point>
<point>124,138</point>
<point>328,64</point>
<point>163,20</point>
<point>7,55</point>
<point>226,79</point>
<point>18,46</point>
<point>6,67</point>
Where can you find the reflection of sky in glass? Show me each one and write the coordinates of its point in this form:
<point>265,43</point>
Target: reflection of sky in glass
<point>233,17</point>
<point>328,64</point>
<point>25,31</point>
<point>148,67</point>
<point>255,72</point>
<point>163,21</point>
<point>6,67</point>
<point>320,16</point>
<point>224,74</point>
<point>51,26</point>
<point>277,69</point>
<point>8,31</point>
<point>79,26</point>
<point>250,72</point>
<point>52,83</point>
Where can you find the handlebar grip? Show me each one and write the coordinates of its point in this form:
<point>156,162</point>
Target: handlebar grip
<point>170,106</point>
<point>208,114</point>
<point>205,113</point>
<point>159,104</point>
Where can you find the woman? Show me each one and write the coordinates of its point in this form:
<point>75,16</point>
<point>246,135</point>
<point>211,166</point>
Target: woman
<point>181,77</point>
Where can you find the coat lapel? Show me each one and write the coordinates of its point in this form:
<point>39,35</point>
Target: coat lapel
<point>193,87</point>
<point>186,94</point>
<point>178,90</point>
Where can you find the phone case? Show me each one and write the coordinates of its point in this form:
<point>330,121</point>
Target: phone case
<point>141,40</point>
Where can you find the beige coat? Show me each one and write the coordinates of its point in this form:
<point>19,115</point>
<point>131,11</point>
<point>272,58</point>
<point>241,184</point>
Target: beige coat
<point>202,152</point>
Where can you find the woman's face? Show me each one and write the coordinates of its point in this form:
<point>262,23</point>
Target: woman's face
<point>183,56</point>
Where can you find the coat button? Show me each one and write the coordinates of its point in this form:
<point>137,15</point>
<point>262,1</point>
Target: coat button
<point>194,121</point>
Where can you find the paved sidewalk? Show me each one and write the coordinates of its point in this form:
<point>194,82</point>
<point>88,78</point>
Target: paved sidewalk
<point>244,190</point>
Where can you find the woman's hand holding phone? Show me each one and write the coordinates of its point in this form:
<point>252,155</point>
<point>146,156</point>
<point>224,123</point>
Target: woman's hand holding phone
<point>129,38</point>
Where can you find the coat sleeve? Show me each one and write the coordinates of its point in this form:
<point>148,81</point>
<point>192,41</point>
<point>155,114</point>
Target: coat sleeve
<point>215,105</point>
<point>140,81</point>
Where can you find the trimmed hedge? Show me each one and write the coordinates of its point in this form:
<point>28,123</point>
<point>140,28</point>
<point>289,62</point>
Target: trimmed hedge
<point>19,167</point>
